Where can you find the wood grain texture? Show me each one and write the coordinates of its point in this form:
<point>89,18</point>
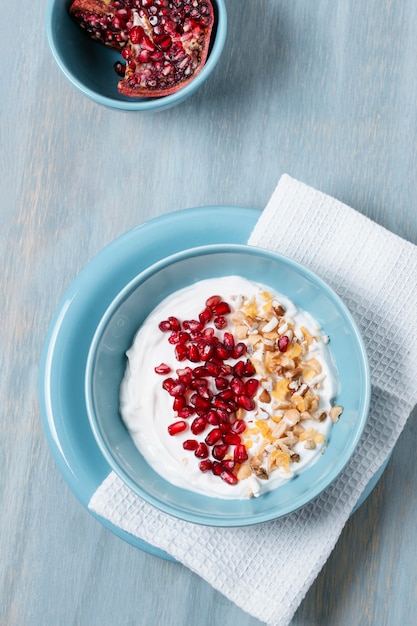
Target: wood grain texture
<point>325,91</point>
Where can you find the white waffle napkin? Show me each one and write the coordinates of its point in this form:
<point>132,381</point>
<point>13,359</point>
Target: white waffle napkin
<point>267,569</point>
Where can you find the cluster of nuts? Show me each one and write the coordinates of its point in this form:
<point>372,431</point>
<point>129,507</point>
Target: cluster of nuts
<point>288,402</point>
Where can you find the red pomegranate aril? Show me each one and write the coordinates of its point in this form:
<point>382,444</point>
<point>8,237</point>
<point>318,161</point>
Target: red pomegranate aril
<point>185,375</point>
<point>228,477</point>
<point>214,436</point>
<point>212,418</point>
<point>223,416</point>
<point>222,352</point>
<point>220,322</point>
<point>201,371</point>
<point>196,383</point>
<point>199,402</point>
<point>238,426</point>
<point>205,465</point>
<point>181,352</point>
<point>119,68</point>
<point>204,391</point>
<point>249,370</point>
<point>226,395</point>
<point>165,325</point>
<point>201,451</point>
<point>163,369</point>
<point>246,403</point>
<point>251,387</point>
<point>163,41</point>
<point>217,468</point>
<point>218,403</point>
<point>178,389</point>
<point>208,335</point>
<point>237,386</point>
<point>240,453</point>
<point>190,444</point>
<point>186,412</point>
<point>193,354</point>
<point>240,350</point>
<point>219,451</point>
<point>229,342</point>
<point>206,352</point>
<point>177,427</point>
<point>212,301</point>
<point>198,425</point>
<point>136,34</point>
<point>205,315</point>
<point>231,439</point>
<point>283,343</point>
<point>239,369</point>
<point>212,368</point>
<point>179,403</point>
<point>221,382</point>
<point>175,323</point>
<point>168,384</point>
<point>193,325</point>
<point>222,308</point>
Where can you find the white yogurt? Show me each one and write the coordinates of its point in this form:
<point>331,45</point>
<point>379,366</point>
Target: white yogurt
<point>146,408</point>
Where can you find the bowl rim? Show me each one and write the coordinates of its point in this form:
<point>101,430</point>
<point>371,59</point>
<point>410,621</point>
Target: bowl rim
<point>151,104</point>
<point>238,520</point>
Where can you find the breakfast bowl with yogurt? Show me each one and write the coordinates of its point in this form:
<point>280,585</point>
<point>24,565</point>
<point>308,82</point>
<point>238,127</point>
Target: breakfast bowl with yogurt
<point>227,385</point>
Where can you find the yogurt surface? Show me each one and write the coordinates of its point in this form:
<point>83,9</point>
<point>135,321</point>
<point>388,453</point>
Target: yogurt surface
<point>286,421</point>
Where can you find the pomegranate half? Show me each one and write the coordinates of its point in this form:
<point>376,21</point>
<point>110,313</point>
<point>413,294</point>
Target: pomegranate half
<point>164,43</point>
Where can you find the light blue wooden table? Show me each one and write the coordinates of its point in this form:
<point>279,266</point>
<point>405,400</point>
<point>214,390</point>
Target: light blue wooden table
<point>324,90</point>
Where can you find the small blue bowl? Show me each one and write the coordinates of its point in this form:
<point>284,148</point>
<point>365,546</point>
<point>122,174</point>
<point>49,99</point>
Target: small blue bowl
<point>88,65</point>
<point>107,361</point>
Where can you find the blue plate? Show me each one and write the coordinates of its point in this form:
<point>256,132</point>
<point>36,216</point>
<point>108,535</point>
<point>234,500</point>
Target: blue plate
<point>66,347</point>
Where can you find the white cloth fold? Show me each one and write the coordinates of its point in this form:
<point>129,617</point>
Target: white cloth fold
<point>375,273</point>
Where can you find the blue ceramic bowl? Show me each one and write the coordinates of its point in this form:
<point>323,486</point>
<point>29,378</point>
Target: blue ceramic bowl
<point>88,65</point>
<point>106,364</point>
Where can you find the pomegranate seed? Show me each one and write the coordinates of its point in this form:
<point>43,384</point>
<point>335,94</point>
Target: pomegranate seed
<point>201,451</point>
<point>208,335</point>
<point>222,308</point>
<point>206,352</point>
<point>193,354</point>
<point>177,390</point>
<point>181,352</point>
<point>214,436</point>
<point>220,322</point>
<point>119,68</point>
<point>223,415</point>
<point>200,371</point>
<point>246,403</point>
<point>226,395</point>
<point>231,439</point>
<point>163,368</point>
<point>163,41</point>
<point>216,468</point>
<point>175,323</point>
<point>240,350</point>
<point>205,465</point>
<point>237,386</point>
<point>212,368</point>
<point>249,370</point>
<point>179,403</point>
<point>238,426</point>
<point>222,352</point>
<point>240,454</point>
<point>239,369</point>
<point>196,383</point>
<point>283,343</point>
<point>199,402</point>
<point>229,342</point>
<point>187,411</point>
<point>221,382</point>
<point>164,326</point>
<point>218,403</point>
<point>198,425</point>
<point>213,301</point>
<point>193,325</point>
<point>204,391</point>
<point>185,375</point>
<point>168,383</point>
<point>190,444</point>
<point>225,427</point>
<point>228,477</point>
<point>212,418</point>
<point>136,34</point>
<point>205,315</point>
<point>177,427</point>
<point>251,387</point>
<point>219,451</point>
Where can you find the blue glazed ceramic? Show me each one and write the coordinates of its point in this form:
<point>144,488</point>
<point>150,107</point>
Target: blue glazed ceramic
<point>114,335</point>
<point>88,65</point>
